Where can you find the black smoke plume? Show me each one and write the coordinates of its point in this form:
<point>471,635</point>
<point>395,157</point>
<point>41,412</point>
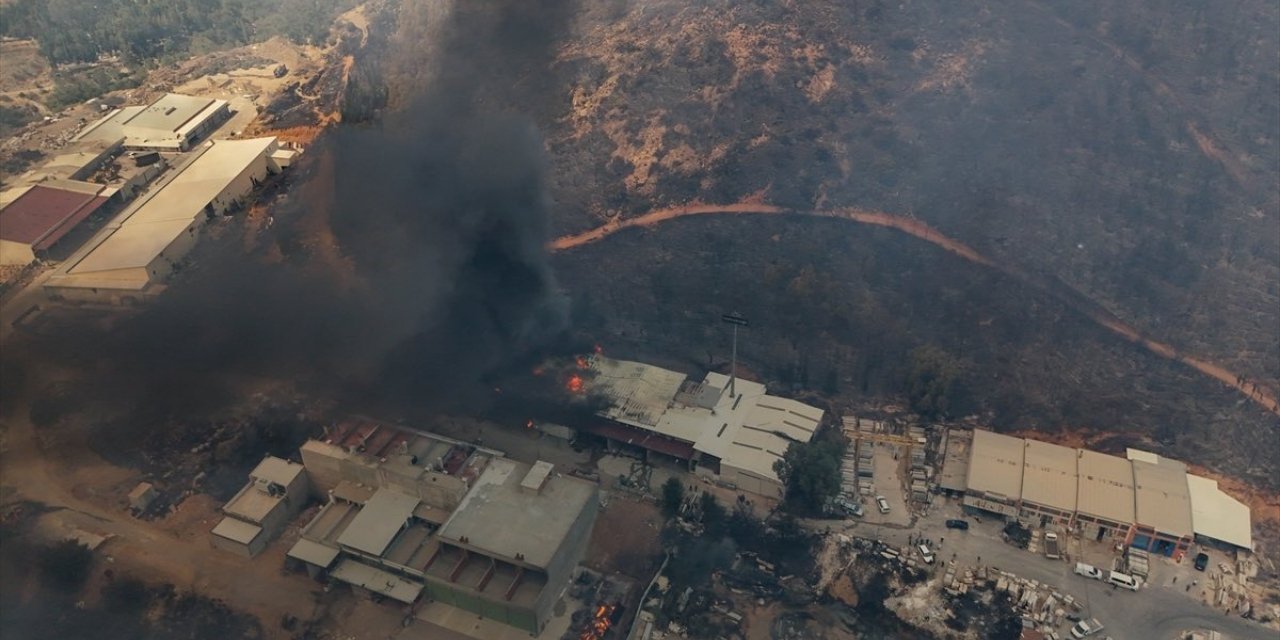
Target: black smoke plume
<point>438,273</point>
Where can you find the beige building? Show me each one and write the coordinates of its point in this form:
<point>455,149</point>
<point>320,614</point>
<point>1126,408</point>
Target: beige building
<point>1143,499</point>
<point>172,123</point>
<point>131,257</point>
<point>411,513</point>
<point>275,494</point>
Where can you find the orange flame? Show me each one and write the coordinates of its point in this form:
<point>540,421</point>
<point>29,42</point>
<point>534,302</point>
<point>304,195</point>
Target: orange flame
<point>599,625</point>
<point>574,384</point>
<point>528,425</point>
<point>582,362</point>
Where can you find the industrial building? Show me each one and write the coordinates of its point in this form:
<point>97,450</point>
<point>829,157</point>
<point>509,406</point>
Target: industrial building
<point>43,214</point>
<point>731,431</point>
<point>172,123</point>
<point>1148,501</point>
<point>255,516</point>
<point>410,513</point>
<point>133,255</point>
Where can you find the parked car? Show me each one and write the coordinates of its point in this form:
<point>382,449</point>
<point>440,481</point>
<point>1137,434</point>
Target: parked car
<point>926,554</point>
<point>1051,548</point>
<point>1090,571</point>
<point>851,508</point>
<point>882,504</point>
<point>962,525</point>
<point>1086,628</point>
<point>1202,561</point>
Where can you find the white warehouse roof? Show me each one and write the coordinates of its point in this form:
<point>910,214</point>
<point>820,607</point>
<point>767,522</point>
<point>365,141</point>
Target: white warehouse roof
<point>995,464</point>
<point>1214,514</point>
<point>382,517</point>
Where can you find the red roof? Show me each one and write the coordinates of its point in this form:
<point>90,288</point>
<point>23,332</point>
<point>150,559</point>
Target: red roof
<point>42,215</point>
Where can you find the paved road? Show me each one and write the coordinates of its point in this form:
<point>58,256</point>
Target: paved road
<point>1154,613</point>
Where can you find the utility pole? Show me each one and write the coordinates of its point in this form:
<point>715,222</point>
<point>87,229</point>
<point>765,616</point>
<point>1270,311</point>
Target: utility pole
<point>736,320</point>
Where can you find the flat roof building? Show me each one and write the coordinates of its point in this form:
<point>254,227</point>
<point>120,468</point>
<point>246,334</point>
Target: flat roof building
<point>275,494</point>
<point>1105,489</point>
<point>172,123</point>
<point>1149,501</point>
<point>1218,516</point>
<point>1049,480</point>
<point>139,250</point>
<point>411,512</point>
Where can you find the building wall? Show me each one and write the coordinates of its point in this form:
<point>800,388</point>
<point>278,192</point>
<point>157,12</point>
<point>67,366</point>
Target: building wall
<point>324,466</point>
<point>250,550</point>
<point>233,195</point>
<point>750,482</point>
<point>16,253</point>
<point>436,489</point>
<point>523,618</point>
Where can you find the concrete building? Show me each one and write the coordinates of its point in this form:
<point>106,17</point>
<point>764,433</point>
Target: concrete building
<point>275,494</point>
<point>396,527</point>
<point>1143,500</point>
<point>130,258</point>
<point>172,123</point>
<point>40,216</point>
<point>509,549</point>
<point>732,437</point>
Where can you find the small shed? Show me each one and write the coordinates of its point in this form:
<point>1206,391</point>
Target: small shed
<point>142,496</point>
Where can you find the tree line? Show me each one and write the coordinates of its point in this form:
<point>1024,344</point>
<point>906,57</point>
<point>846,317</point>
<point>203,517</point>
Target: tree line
<point>72,31</point>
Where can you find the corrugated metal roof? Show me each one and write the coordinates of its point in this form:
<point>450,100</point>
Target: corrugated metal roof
<point>1106,487</point>
<point>1049,475</point>
<point>379,521</point>
<point>313,553</point>
<point>237,530</point>
<point>376,580</point>
<point>1163,501</point>
<point>1214,514</point>
<point>44,214</point>
<point>995,464</point>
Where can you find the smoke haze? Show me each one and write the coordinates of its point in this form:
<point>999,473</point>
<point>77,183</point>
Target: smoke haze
<point>436,270</point>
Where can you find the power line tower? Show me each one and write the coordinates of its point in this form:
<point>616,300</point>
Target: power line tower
<point>736,320</point>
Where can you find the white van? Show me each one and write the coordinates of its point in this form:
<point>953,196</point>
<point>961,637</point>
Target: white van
<point>1124,580</point>
<point>926,554</point>
<point>1089,571</point>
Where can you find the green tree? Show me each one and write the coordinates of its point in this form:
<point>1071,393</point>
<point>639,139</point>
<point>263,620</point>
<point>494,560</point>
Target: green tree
<point>714,515</point>
<point>811,471</point>
<point>672,496</point>
<point>932,382</point>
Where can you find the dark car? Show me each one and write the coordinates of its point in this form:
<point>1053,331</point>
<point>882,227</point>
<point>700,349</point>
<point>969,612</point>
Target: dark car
<point>1202,561</point>
<point>962,525</point>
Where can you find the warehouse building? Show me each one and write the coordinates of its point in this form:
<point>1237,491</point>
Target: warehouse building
<point>1048,482</point>
<point>731,433</point>
<point>411,513</point>
<point>40,216</point>
<point>1145,500</point>
<point>131,257</point>
<point>255,516</point>
<point>1105,495</point>
<point>172,123</point>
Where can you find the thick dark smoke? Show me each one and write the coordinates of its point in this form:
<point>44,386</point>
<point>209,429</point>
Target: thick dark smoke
<point>439,217</point>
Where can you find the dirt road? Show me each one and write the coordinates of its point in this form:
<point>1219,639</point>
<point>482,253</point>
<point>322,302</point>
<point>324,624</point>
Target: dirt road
<point>145,549</point>
<point>1259,395</point>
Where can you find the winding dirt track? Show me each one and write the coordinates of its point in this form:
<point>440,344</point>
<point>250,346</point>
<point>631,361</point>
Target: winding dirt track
<point>1258,395</point>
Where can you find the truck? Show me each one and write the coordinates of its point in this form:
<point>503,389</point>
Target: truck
<point>1051,548</point>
